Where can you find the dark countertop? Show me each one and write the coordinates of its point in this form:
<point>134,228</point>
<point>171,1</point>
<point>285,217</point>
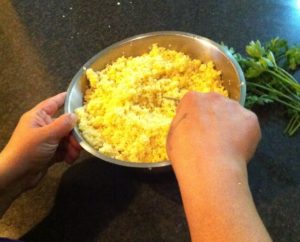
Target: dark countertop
<point>43,43</point>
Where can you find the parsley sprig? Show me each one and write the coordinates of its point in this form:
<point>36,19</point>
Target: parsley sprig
<point>268,71</point>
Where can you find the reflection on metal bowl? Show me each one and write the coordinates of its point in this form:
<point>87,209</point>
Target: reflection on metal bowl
<point>190,44</point>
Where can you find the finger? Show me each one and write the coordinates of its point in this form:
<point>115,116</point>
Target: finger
<point>72,150</point>
<point>60,153</point>
<point>52,104</point>
<point>64,148</point>
<point>187,99</point>
<point>69,148</point>
<point>71,155</point>
<point>40,119</point>
<point>68,152</point>
<point>61,126</point>
<point>68,160</point>
<point>74,142</point>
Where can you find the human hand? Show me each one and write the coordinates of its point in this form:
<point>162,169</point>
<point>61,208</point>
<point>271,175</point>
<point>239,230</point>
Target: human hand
<point>211,127</point>
<point>210,141</point>
<point>38,141</point>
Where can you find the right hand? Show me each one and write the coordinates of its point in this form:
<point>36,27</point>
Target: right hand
<point>210,141</point>
<point>209,127</point>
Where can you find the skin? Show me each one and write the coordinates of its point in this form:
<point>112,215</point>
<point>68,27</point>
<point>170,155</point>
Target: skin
<point>38,141</point>
<point>210,141</point>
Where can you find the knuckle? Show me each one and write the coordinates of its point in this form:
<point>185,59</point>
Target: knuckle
<point>68,121</point>
<point>253,122</point>
<point>213,96</point>
<point>189,96</point>
<point>251,116</point>
<point>25,116</point>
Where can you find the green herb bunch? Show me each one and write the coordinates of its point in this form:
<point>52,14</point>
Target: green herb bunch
<point>268,71</point>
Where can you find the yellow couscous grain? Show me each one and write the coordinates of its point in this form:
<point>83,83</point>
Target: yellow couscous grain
<point>130,104</point>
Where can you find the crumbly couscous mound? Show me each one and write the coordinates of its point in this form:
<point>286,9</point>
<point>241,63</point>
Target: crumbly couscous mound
<point>130,104</point>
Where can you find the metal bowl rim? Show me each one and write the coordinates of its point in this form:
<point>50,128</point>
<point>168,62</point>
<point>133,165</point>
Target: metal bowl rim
<point>77,76</point>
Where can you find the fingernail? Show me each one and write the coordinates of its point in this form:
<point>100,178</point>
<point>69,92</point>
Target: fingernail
<point>73,117</point>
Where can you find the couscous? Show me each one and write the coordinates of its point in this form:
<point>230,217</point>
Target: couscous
<point>130,104</point>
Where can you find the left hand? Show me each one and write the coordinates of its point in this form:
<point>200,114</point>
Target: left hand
<point>38,141</point>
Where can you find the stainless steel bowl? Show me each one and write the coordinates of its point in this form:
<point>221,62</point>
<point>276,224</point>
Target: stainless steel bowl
<point>192,45</point>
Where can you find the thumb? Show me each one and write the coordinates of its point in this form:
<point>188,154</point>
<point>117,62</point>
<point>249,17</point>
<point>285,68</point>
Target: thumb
<point>62,126</point>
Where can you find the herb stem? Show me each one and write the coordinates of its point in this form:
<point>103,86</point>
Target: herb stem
<point>288,75</point>
<point>296,86</point>
<point>290,124</point>
<point>295,128</point>
<point>287,104</point>
<point>278,93</point>
<point>266,68</point>
<point>297,97</point>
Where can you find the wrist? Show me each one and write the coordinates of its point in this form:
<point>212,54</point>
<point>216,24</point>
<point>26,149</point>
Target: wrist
<point>10,187</point>
<point>209,165</point>
<point>12,170</point>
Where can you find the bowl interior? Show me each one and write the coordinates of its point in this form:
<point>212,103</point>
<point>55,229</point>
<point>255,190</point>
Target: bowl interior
<point>192,45</point>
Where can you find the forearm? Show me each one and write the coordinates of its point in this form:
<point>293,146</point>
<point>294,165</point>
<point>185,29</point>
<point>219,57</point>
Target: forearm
<point>9,188</point>
<point>218,202</point>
